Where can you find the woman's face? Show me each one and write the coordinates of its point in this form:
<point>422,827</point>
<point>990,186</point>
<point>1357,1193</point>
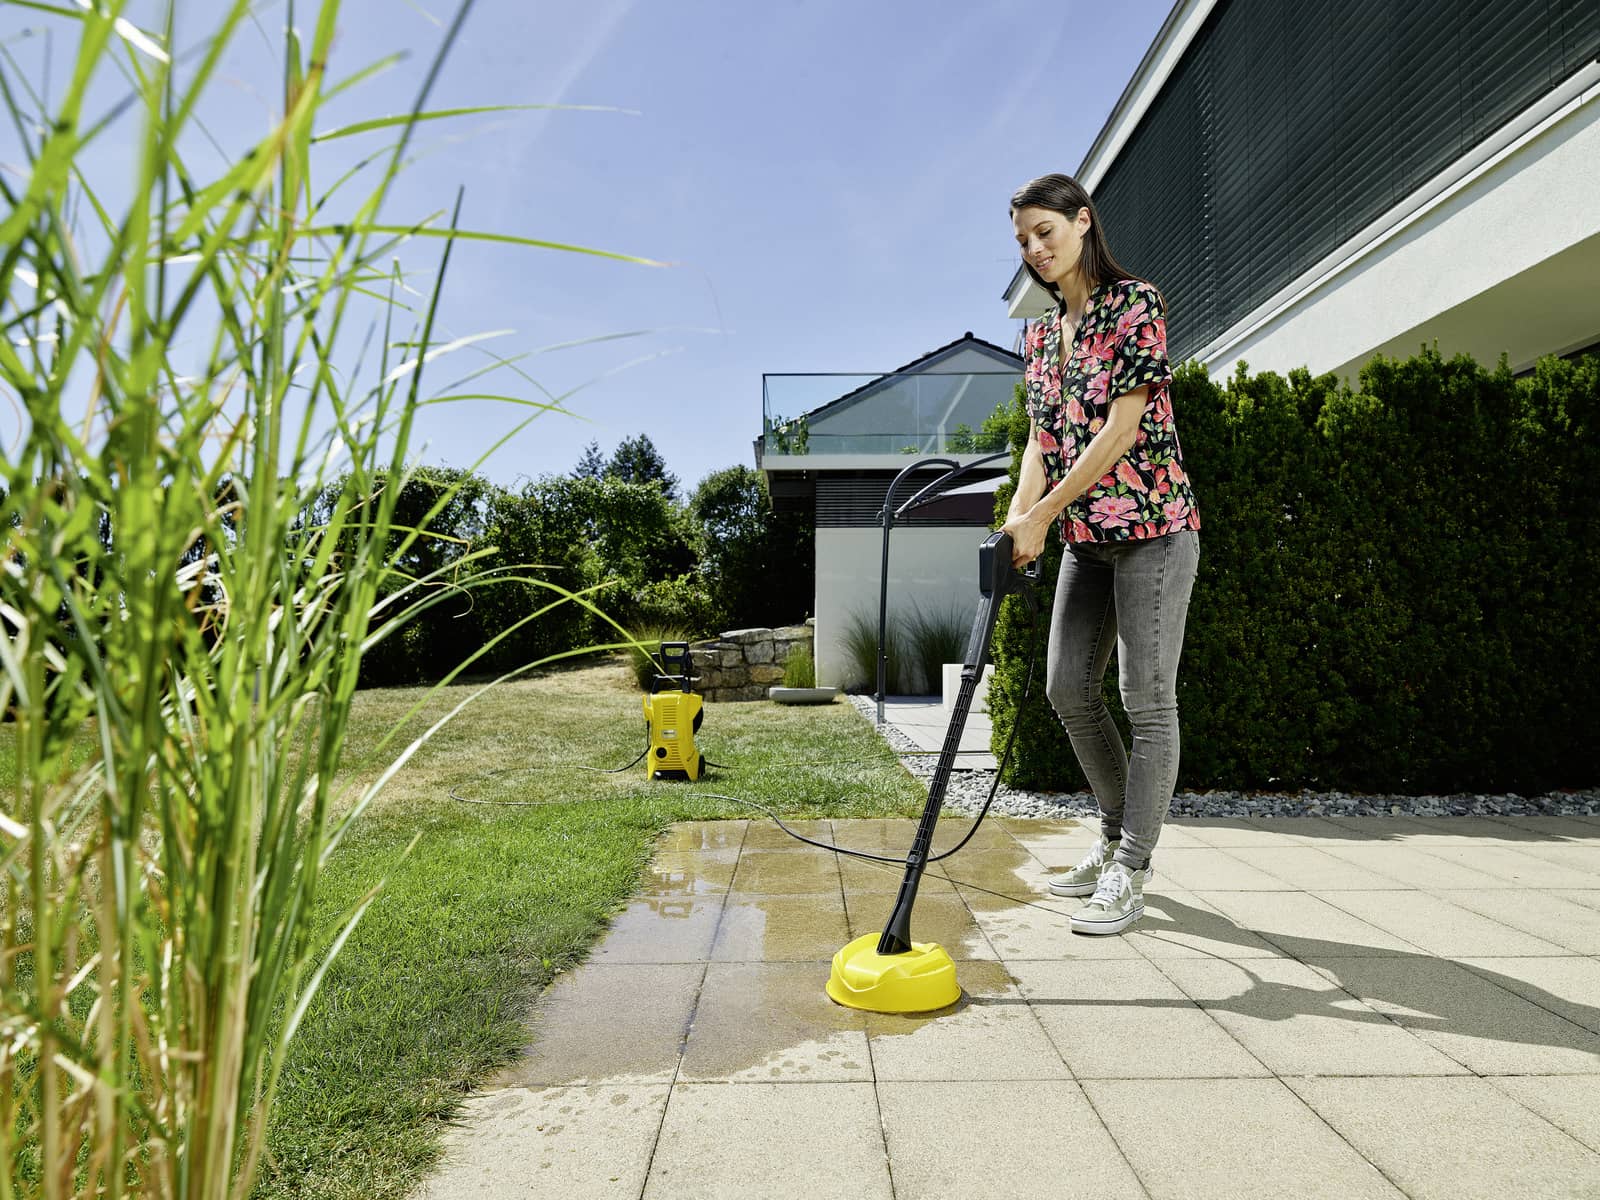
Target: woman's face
<point>1050,241</point>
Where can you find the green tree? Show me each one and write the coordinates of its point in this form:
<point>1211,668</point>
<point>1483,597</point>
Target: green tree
<point>636,460</point>
<point>592,464</point>
<point>759,561</point>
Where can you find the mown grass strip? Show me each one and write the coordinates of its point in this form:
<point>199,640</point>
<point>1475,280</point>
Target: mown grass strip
<point>432,992</point>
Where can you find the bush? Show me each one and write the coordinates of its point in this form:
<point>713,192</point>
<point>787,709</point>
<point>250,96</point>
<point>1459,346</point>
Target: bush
<point>861,654</point>
<point>800,669</point>
<point>933,639</point>
<point>680,603</point>
<point>1397,590</point>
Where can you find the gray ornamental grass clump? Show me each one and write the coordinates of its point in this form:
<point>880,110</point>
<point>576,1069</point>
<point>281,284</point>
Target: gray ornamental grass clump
<point>183,625</point>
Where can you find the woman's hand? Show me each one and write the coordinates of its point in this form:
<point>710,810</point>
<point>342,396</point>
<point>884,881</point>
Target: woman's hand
<point>1028,532</point>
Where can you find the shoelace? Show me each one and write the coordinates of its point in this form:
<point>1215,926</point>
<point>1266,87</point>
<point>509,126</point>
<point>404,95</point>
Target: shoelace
<point>1096,856</point>
<point>1114,883</point>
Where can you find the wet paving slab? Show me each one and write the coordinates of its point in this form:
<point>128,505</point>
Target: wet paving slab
<point>1315,983</point>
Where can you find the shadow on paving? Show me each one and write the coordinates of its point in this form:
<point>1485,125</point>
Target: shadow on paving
<point>1420,992</point>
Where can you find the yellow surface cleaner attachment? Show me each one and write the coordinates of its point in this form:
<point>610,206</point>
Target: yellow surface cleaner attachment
<point>888,972</point>
<point>674,714</point>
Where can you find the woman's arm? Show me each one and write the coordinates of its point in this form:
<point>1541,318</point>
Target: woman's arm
<point>1030,479</point>
<point>1030,524</point>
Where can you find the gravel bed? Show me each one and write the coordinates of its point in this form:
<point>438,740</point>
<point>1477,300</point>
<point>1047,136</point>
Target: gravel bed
<point>968,789</point>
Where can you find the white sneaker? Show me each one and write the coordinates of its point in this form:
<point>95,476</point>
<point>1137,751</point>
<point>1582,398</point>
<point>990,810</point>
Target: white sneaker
<point>1082,879</point>
<point>1118,901</point>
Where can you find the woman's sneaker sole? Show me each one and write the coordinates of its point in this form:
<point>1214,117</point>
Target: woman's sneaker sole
<point>1072,889</point>
<point>1117,926</point>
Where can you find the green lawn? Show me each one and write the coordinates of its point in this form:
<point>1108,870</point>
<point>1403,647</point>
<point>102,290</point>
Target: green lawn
<point>432,991</point>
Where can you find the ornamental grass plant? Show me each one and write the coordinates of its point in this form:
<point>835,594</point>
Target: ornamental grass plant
<point>195,355</point>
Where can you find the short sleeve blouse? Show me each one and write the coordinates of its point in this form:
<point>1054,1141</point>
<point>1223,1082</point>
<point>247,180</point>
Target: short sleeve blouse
<point>1120,345</point>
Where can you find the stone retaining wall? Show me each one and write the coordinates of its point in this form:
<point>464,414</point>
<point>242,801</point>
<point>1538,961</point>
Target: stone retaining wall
<point>743,663</point>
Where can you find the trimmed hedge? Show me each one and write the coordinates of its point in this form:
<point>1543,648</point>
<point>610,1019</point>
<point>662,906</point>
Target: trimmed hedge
<point>1399,586</point>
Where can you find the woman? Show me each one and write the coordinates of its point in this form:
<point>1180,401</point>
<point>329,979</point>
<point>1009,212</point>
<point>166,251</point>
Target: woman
<point>1103,458</point>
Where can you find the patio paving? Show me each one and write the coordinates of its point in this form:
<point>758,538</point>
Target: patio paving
<point>1362,1007</point>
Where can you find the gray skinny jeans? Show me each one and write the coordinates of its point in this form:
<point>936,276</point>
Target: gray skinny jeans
<point>1134,594</point>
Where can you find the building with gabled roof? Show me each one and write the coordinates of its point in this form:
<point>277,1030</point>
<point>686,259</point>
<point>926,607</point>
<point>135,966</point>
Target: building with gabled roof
<point>833,443</point>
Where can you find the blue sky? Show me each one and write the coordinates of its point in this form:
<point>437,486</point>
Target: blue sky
<point>828,182</point>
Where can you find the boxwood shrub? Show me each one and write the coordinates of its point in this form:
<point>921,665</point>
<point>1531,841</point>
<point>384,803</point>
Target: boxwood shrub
<point>1399,584</point>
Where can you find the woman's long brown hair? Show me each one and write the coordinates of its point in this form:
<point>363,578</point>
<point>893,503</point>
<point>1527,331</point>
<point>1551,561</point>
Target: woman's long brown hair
<point>1065,195</point>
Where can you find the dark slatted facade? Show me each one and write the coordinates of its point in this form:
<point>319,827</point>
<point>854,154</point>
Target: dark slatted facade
<point>847,499</point>
<point>1289,126</point>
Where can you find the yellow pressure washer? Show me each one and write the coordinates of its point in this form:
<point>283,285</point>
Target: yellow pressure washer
<point>673,714</point>
<point>888,972</point>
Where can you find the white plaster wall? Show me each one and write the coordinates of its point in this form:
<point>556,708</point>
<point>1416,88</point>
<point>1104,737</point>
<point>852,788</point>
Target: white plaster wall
<point>1439,272</point>
<point>931,567</point>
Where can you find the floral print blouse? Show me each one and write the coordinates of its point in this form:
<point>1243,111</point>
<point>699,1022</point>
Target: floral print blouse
<point>1120,345</point>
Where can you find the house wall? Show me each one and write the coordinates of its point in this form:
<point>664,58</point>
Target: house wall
<point>931,567</point>
<point>1505,262</point>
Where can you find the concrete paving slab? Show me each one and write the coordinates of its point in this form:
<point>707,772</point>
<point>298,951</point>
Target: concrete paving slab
<point>1178,924</point>
<point>1039,929</point>
<point>762,928</point>
<point>1177,834</point>
<point>773,1022</point>
<point>1304,926</point>
<point>1014,872</point>
<point>1568,987</point>
<point>1588,897</point>
<point>1124,1019</point>
<point>1583,858</point>
<point>661,929</point>
<point>1553,828</point>
<point>1410,867</point>
<point>788,872</point>
<point>936,918</point>
<point>1569,1102</point>
<point>1229,833</point>
<point>765,835</point>
<point>1311,869</point>
<point>1195,1139</point>
<point>1468,1014</point>
<point>687,873</point>
<point>862,876</point>
<point>1427,920</point>
<point>1000,1140</point>
<point>1028,830</point>
<point>1518,865</point>
<point>770,1141</point>
<point>1574,927</point>
<point>895,836</point>
<point>700,1026</point>
<point>559,1143</point>
<point>1453,1139</point>
<point>609,1023</point>
<point>1426,832</point>
<point>1214,870</point>
<point>926,723</point>
<point>703,835</point>
<point>1326,831</point>
<point>1060,854</point>
<point>1299,1023</point>
<point>989,1034</point>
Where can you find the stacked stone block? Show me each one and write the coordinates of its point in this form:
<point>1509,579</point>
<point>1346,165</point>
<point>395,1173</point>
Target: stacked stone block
<point>742,664</point>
